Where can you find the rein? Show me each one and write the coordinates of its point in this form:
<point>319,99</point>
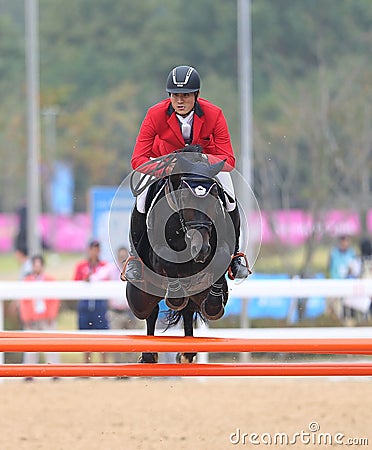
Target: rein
<point>158,167</point>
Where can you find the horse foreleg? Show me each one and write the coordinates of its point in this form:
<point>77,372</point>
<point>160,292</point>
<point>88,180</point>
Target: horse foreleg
<point>150,325</point>
<point>213,307</point>
<point>175,297</point>
<point>188,315</point>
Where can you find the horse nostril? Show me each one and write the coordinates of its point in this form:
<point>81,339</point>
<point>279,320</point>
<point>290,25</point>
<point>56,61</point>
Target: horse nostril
<point>201,255</point>
<point>194,250</point>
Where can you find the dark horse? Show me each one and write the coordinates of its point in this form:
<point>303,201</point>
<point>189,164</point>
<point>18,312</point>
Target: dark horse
<point>187,248</point>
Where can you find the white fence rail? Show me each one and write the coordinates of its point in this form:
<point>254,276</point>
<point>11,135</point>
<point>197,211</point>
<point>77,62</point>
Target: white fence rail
<point>74,290</point>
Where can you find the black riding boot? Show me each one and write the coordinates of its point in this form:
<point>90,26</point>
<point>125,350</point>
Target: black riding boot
<point>238,269</point>
<point>134,267</point>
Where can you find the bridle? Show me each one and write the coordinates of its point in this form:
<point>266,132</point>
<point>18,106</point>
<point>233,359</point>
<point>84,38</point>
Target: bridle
<point>175,204</point>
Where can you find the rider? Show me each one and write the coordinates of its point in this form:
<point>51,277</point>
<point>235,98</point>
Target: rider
<point>184,118</point>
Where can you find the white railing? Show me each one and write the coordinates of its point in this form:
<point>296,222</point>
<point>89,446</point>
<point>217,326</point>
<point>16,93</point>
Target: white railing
<point>75,290</point>
<point>300,288</point>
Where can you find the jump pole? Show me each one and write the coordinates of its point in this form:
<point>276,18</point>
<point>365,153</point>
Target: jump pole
<point>74,342</point>
<point>187,370</point>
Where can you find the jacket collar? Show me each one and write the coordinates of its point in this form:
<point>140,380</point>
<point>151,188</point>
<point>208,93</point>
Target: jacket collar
<point>175,126</point>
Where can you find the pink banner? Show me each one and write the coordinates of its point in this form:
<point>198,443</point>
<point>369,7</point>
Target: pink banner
<point>8,225</point>
<point>66,233</point>
<point>62,233</point>
<point>293,227</point>
<point>289,227</point>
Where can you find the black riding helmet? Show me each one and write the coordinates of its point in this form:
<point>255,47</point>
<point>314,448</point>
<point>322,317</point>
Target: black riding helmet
<point>183,79</point>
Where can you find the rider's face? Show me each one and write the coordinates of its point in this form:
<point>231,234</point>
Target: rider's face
<point>183,103</point>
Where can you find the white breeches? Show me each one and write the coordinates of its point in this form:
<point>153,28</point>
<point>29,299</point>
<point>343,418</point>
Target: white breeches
<point>223,177</point>
<point>227,184</point>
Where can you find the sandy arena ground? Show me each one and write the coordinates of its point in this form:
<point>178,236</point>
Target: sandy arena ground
<point>177,414</point>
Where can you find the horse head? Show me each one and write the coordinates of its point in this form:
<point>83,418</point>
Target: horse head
<point>197,202</point>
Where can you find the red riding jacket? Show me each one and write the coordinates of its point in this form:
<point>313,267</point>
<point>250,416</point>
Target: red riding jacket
<point>160,133</point>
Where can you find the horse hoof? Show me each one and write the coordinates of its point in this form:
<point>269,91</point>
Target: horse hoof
<point>148,358</point>
<point>176,304</point>
<point>185,358</point>
<point>212,309</point>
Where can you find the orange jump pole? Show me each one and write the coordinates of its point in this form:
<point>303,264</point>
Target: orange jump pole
<point>54,342</point>
<point>187,370</point>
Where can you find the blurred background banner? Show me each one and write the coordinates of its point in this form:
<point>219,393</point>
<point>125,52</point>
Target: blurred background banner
<point>279,308</point>
<point>62,189</point>
<point>110,209</point>
<point>8,226</point>
<point>71,231</point>
<point>66,234</point>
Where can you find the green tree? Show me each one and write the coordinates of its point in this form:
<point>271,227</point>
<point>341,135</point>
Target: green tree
<point>104,62</point>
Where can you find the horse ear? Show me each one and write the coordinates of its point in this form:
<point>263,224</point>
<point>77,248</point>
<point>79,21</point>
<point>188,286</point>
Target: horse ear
<point>216,168</point>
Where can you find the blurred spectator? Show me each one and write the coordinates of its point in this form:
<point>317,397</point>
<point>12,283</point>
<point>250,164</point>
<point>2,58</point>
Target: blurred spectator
<point>340,266</point>
<point>301,303</point>
<point>366,258</point>
<point>366,261</point>
<point>21,254</point>
<point>21,239</point>
<point>120,315</point>
<point>92,314</point>
<point>21,236</point>
<point>340,258</point>
<point>39,314</point>
<point>360,307</point>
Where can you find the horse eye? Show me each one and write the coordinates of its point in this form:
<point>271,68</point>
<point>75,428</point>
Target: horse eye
<point>214,191</point>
